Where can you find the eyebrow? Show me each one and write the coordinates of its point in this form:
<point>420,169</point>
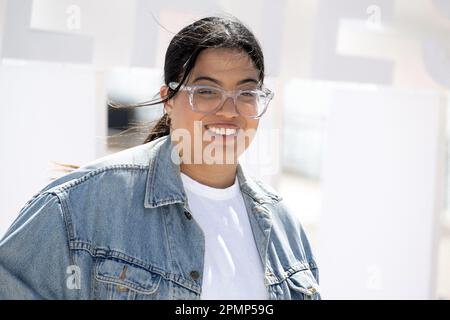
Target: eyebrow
<point>220,83</point>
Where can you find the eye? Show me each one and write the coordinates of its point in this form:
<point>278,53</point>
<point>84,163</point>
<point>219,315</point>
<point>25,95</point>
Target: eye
<point>249,93</point>
<point>206,91</point>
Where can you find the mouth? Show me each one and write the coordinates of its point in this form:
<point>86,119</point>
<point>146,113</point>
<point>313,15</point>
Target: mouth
<point>226,130</point>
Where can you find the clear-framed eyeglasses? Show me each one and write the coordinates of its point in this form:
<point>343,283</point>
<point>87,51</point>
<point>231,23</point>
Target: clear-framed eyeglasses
<point>251,103</point>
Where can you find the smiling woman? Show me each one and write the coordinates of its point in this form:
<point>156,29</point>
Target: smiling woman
<point>176,217</point>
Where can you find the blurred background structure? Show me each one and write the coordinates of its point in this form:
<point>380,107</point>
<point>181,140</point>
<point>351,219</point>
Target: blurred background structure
<point>356,139</point>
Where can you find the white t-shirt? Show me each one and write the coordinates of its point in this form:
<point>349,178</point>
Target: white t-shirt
<point>232,266</point>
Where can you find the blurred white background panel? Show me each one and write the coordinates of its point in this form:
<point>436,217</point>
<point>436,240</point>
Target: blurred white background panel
<point>47,113</point>
<point>383,165</point>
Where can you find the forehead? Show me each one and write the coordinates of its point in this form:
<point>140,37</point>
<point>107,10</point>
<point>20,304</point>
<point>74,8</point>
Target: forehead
<point>223,62</point>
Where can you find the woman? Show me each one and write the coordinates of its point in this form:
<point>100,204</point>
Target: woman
<point>176,217</point>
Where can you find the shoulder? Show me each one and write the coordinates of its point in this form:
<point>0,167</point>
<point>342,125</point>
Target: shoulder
<point>268,190</point>
<point>270,199</point>
<point>101,192</point>
<point>135,156</point>
<point>283,216</point>
<point>119,165</point>
<point>287,229</point>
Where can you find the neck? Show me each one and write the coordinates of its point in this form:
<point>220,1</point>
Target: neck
<point>216,176</point>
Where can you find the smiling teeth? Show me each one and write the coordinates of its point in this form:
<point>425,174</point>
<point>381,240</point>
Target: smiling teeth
<point>223,131</point>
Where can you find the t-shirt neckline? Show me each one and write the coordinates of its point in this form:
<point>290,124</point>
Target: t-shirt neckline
<point>210,192</point>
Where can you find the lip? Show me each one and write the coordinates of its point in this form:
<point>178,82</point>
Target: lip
<point>222,125</point>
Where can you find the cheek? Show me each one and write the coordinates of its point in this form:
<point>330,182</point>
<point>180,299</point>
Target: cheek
<point>186,119</point>
<point>182,116</point>
<point>252,124</point>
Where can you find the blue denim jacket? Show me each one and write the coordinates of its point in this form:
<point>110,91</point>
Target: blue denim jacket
<point>120,228</point>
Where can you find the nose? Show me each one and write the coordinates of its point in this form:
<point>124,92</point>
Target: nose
<point>228,109</point>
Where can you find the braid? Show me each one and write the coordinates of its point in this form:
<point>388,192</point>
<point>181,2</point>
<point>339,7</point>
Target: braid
<point>161,128</point>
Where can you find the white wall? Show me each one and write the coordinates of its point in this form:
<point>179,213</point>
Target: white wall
<point>382,187</point>
<point>2,18</point>
<point>47,113</point>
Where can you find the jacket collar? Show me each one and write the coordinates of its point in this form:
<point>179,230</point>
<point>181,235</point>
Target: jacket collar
<point>164,185</point>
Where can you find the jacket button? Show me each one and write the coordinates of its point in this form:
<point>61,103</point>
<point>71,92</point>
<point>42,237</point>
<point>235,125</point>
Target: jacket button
<point>188,215</point>
<point>194,274</point>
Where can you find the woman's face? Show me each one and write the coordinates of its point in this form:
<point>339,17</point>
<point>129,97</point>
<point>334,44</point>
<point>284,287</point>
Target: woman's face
<point>229,69</point>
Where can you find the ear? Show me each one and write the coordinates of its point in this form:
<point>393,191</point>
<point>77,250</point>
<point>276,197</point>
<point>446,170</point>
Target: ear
<point>163,92</point>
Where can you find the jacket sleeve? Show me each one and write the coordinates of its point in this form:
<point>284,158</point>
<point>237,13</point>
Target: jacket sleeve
<point>309,253</point>
<point>35,260</point>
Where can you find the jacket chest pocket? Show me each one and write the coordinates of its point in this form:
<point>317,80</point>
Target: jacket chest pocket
<point>119,280</point>
<point>302,285</point>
